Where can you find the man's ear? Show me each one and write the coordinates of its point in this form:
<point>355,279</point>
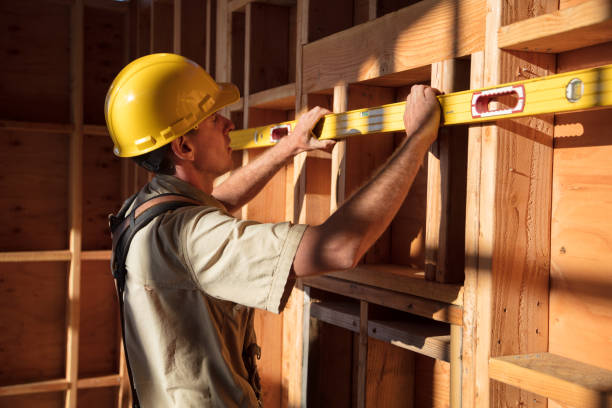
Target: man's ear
<point>182,148</point>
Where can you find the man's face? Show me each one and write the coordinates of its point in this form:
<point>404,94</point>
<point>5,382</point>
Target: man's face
<point>211,140</point>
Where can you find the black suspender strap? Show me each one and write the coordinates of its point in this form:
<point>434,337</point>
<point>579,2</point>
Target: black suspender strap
<point>123,228</point>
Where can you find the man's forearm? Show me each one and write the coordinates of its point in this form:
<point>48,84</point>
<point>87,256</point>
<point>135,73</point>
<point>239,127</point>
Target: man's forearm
<point>244,183</point>
<point>348,233</point>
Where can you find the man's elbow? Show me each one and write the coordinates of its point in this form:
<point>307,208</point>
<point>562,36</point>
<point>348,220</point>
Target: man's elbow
<point>319,253</point>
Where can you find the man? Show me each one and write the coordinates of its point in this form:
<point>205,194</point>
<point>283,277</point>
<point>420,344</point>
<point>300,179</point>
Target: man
<point>194,273</point>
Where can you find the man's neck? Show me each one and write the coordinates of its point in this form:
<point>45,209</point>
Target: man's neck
<point>197,179</point>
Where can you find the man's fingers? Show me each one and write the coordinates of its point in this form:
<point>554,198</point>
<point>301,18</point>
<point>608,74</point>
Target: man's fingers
<point>326,145</point>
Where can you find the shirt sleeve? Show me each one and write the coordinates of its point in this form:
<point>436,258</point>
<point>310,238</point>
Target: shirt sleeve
<point>241,261</point>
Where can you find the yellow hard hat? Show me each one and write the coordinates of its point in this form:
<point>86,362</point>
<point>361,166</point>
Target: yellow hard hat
<point>158,98</point>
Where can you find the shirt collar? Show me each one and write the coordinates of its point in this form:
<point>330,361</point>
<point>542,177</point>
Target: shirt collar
<point>164,184</point>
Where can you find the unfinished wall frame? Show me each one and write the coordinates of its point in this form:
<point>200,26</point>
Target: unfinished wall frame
<point>465,294</point>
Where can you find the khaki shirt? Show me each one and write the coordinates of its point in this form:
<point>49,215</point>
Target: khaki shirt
<point>193,276</point>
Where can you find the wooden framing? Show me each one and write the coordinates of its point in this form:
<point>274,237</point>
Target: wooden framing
<point>568,381</point>
<point>403,34</point>
<point>575,27</point>
<point>479,287</point>
<point>76,198</point>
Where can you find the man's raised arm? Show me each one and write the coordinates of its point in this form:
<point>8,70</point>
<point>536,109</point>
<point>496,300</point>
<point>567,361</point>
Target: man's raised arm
<point>245,182</point>
<point>349,232</point>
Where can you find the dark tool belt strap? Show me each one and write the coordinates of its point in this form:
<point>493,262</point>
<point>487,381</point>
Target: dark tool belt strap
<point>123,228</point>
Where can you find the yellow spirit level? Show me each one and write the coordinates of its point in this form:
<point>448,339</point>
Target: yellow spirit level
<point>570,91</point>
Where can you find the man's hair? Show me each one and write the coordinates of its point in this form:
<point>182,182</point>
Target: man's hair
<point>158,161</point>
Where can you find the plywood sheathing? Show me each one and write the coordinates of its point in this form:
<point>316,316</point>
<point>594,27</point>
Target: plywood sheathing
<point>580,279</point>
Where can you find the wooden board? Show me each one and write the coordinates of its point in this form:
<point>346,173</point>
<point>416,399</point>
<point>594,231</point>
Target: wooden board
<point>412,333</point>
<point>404,280</point>
<point>390,376</point>
<point>395,43</point>
<point>469,375</point>
<point>580,283</point>
<point>99,323</point>
<point>101,191</point>
<point>575,27</point>
<point>412,304</point>
<point>34,182</point>
<point>35,71</point>
<point>581,242</point>
<point>519,208</point>
<point>568,381</point>
<point>446,185</point>
<point>104,56</point>
<point>582,58</point>
<point>32,321</point>
<point>341,314</point>
<point>432,379</point>
<point>282,98</point>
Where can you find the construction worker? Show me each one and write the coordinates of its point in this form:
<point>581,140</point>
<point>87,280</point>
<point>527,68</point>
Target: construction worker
<point>190,277</point>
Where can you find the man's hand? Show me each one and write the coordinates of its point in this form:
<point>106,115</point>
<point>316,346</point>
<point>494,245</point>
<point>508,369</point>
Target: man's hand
<point>302,139</point>
<point>422,114</point>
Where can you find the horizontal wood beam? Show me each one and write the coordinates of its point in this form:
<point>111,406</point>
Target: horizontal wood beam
<point>99,382</point>
<point>341,314</point>
<point>427,337</point>
<point>431,309</point>
<point>96,130</point>
<point>35,126</point>
<point>586,24</point>
<point>422,336</point>
<point>96,255</point>
<point>405,280</point>
<point>35,387</point>
<point>395,42</point>
<point>20,126</point>
<point>35,256</point>
<point>282,98</point>
<point>60,384</point>
<point>562,379</point>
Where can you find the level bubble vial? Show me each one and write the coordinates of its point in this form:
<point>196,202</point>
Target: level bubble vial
<point>574,90</point>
